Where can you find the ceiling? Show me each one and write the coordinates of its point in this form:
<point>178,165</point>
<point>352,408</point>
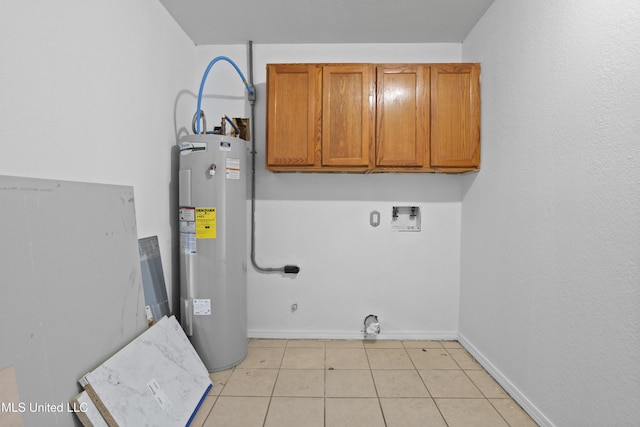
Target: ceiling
<point>326,21</point>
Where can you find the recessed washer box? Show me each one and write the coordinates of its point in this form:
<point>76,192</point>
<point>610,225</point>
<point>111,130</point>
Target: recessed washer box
<point>405,218</point>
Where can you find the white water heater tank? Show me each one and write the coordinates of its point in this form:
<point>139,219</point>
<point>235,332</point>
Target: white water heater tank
<point>213,247</point>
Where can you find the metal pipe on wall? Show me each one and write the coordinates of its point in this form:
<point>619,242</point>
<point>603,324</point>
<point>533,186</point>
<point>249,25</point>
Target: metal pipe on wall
<point>293,269</point>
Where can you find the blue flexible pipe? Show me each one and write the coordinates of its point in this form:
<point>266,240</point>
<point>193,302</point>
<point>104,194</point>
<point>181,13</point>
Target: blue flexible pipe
<point>204,79</point>
<point>232,124</point>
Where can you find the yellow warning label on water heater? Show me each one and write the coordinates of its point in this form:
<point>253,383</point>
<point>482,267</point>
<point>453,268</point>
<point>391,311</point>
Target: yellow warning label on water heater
<point>205,223</point>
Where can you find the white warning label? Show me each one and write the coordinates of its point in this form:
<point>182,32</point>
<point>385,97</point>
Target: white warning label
<point>201,307</point>
<point>233,168</point>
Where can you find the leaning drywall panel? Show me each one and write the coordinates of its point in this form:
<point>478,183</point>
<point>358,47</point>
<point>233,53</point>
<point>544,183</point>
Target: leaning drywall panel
<point>71,286</point>
<point>158,379</point>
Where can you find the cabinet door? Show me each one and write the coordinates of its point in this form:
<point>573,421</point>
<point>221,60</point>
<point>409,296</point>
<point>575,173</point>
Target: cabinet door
<point>455,115</point>
<point>347,117</point>
<point>402,125</point>
<point>293,110</point>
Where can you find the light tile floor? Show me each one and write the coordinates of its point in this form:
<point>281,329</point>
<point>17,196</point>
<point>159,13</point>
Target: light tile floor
<point>327,383</point>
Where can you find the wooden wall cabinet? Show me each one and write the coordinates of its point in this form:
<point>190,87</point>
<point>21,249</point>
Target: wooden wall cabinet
<point>402,116</point>
<point>320,117</point>
<point>293,113</point>
<point>347,115</point>
<point>366,117</point>
<point>455,116</point>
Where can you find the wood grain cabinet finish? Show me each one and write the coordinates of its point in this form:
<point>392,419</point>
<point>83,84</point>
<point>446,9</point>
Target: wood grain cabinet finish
<point>293,113</point>
<point>320,117</point>
<point>402,116</point>
<point>368,117</point>
<point>455,116</point>
<point>347,115</point>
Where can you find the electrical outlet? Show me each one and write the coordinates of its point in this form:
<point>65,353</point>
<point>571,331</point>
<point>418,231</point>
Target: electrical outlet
<point>374,218</point>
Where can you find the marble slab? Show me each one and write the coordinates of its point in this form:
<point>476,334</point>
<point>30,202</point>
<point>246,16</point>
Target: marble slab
<point>156,380</point>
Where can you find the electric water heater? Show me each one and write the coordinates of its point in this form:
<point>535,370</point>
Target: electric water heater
<point>213,247</point>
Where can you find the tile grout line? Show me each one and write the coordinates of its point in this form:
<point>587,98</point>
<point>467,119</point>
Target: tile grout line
<point>425,383</point>
<point>499,413</point>
<point>217,396</point>
<point>462,370</point>
<point>476,385</point>
<point>266,414</point>
<point>375,387</point>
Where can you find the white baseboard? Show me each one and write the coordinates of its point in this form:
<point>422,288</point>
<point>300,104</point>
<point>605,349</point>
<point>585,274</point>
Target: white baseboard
<point>513,391</point>
<point>341,335</point>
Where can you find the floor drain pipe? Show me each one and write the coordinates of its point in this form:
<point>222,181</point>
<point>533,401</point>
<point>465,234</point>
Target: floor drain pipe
<point>288,269</point>
<point>371,325</point>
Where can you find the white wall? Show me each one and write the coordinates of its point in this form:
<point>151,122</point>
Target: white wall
<point>550,227</point>
<point>100,91</point>
<point>321,222</point>
<point>94,91</point>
